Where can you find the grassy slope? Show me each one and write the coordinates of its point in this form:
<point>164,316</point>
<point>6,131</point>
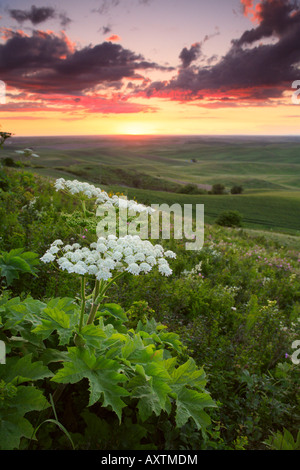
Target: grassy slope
<point>268,169</point>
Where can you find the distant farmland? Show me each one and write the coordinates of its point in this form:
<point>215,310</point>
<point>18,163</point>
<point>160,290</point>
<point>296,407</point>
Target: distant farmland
<point>157,169</point>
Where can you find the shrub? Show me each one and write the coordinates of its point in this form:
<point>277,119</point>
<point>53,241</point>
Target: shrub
<point>229,219</point>
<point>191,188</point>
<point>218,189</point>
<point>8,161</point>
<point>236,190</point>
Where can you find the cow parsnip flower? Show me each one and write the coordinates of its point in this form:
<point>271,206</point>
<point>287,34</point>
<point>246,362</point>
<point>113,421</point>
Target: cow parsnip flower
<point>110,256</point>
<point>101,197</point>
<point>28,153</point>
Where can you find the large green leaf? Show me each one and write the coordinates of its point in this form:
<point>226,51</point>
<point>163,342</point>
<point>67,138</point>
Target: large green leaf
<point>9,272</point>
<point>150,384</point>
<point>156,331</point>
<point>150,387</point>
<point>113,310</point>
<point>67,304</point>
<point>16,311</point>
<point>188,373</point>
<point>190,404</point>
<point>283,441</point>
<point>56,320</point>
<point>93,335</point>
<point>20,370</point>
<point>15,262</point>
<point>13,424</point>
<point>17,400</point>
<point>103,376</point>
<point>12,428</point>
<point>21,317</point>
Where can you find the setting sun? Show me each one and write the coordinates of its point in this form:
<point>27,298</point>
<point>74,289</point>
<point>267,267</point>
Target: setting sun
<point>136,128</point>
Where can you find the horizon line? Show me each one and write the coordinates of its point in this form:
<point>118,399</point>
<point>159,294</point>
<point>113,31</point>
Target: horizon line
<point>156,135</point>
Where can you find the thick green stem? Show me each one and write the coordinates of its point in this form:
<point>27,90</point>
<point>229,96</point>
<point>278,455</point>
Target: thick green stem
<point>77,340</point>
<point>83,302</point>
<point>95,303</point>
<point>99,293</point>
<point>83,208</point>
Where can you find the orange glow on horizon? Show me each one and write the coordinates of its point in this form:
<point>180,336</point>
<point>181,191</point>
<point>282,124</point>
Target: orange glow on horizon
<point>169,119</point>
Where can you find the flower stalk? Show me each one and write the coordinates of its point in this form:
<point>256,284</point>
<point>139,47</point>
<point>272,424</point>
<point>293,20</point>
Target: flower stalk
<point>83,302</point>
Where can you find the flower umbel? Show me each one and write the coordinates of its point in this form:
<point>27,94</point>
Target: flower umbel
<point>110,256</point>
<point>101,197</point>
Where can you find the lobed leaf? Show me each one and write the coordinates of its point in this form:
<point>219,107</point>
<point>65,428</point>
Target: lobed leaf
<point>190,404</point>
<point>103,376</point>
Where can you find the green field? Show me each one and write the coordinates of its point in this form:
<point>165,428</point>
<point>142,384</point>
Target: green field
<point>154,169</point>
<point>141,355</point>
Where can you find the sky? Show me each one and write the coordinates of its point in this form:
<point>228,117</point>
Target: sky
<point>162,67</point>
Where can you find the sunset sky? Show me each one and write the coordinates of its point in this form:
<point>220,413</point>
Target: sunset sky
<point>100,67</point>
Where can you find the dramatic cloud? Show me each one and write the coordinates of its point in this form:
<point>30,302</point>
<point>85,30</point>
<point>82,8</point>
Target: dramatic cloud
<point>187,56</point>
<point>64,20</point>
<point>247,7</point>
<point>75,108</point>
<point>258,68</point>
<point>37,15</point>
<point>276,18</point>
<point>248,71</point>
<point>48,63</point>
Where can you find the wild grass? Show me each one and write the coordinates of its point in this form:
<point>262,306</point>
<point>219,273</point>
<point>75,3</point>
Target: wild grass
<point>153,169</point>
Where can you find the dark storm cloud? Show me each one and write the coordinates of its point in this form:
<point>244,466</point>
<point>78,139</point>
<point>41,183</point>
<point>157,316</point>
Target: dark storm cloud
<point>187,56</point>
<point>37,15</point>
<point>64,20</point>
<point>245,71</point>
<point>276,18</point>
<point>47,63</point>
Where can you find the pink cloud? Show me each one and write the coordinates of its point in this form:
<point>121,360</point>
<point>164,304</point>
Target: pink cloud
<point>114,38</point>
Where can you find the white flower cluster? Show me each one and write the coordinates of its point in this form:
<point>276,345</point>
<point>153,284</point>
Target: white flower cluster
<point>110,255</point>
<point>89,190</point>
<point>27,153</point>
<point>196,270</point>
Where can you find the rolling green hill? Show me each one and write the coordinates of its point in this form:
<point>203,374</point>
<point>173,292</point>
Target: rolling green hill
<point>155,169</point>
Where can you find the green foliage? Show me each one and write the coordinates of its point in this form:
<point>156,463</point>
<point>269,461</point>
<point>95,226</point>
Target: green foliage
<point>17,262</point>
<point>3,137</point>
<point>229,219</point>
<point>145,370</point>
<point>283,441</point>
<point>218,188</point>
<point>17,400</point>
<point>191,188</point>
<point>231,309</point>
<point>102,374</point>
<point>9,162</point>
<point>139,312</point>
<point>236,189</point>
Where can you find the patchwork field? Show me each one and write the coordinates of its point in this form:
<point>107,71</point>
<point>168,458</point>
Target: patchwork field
<point>156,169</point>
<point>116,355</point>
